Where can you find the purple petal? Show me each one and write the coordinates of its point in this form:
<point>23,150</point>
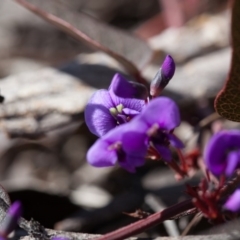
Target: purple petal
<point>131,103</point>
<point>135,143</point>
<point>174,141</point>
<point>102,97</point>
<point>168,67</point>
<point>164,152</point>
<point>233,159</point>
<point>121,87</point>
<point>97,115</point>
<point>99,155</point>
<point>130,112</point>
<point>131,162</point>
<point>162,111</point>
<point>127,89</point>
<point>217,149</point>
<point>233,202</point>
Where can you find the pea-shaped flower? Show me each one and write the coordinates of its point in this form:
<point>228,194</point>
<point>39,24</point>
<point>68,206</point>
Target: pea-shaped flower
<point>128,143</point>
<point>161,116</point>
<point>105,110</point>
<point>222,155</point>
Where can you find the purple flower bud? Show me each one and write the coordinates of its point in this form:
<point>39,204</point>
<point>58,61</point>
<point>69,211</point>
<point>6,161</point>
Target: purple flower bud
<point>10,221</point>
<point>233,202</point>
<point>163,76</point>
<point>168,67</point>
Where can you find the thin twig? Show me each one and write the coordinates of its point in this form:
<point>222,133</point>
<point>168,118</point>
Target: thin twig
<point>192,223</point>
<point>151,221</point>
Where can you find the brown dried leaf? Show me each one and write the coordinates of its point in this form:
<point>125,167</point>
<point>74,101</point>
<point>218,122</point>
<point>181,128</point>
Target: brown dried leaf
<point>227,102</point>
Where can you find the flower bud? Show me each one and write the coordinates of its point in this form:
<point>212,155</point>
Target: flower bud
<point>10,221</point>
<point>163,76</point>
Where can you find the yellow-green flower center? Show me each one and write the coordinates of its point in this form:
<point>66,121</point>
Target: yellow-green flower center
<point>115,111</point>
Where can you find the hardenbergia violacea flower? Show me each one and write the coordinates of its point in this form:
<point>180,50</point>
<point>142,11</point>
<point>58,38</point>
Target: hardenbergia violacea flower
<point>105,110</point>
<point>222,155</point>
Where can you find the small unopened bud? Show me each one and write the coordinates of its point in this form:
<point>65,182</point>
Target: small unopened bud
<point>128,89</point>
<point>163,76</point>
<point>11,219</point>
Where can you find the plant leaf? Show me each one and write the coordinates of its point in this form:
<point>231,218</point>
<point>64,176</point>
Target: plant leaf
<point>227,102</point>
<point>132,52</point>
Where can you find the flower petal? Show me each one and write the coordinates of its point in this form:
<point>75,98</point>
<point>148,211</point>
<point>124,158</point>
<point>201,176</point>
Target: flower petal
<point>219,146</point>
<point>102,97</point>
<point>127,89</point>
<point>99,155</point>
<point>133,140</point>
<point>129,101</point>
<point>97,115</point>
<point>134,144</point>
<point>164,152</point>
<point>130,112</point>
<point>175,141</point>
<point>162,111</point>
<point>233,159</point>
<point>121,87</point>
<point>131,162</point>
<point>233,202</point>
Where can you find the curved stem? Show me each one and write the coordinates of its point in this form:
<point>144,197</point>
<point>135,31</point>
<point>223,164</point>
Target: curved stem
<point>151,221</point>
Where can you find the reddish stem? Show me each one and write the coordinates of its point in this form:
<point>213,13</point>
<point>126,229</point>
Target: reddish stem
<point>182,159</point>
<point>177,169</point>
<point>151,221</point>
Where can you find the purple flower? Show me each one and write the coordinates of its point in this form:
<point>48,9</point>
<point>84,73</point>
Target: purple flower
<point>222,155</point>
<point>163,76</point>
<point>128,143</point>
<point>105,110</point>
<point>233,202</point>
<point>160,117</point>
<point>10,221</point>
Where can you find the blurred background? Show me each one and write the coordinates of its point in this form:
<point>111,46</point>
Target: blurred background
<point>47,78</point>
